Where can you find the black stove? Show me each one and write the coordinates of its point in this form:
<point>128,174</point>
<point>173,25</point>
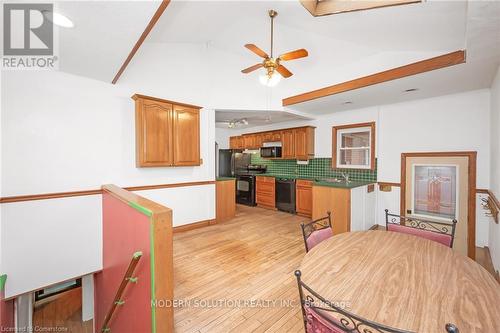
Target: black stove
<point>245,183</point>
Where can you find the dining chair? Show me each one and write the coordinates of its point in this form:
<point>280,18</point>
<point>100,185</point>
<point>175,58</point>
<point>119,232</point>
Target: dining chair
<point>321,315</point>
<point>317,231</point>
<point>440,232</point>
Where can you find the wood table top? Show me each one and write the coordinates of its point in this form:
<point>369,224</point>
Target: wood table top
<point>404,281</point>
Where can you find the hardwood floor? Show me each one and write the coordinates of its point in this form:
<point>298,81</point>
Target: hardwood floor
<point>62,312</point>
<point>251,257</point>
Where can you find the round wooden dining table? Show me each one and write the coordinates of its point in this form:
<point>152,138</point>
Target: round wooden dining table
<point>404,282</point>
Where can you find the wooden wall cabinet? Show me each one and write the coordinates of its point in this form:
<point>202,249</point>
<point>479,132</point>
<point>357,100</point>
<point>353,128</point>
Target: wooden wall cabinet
<point>288,144</point>
<point>265,195</point>
<point>167,133</point>
<point>304,143</point>
<point>236,142</point>
<point>297,143</point>
<point>303,197</point>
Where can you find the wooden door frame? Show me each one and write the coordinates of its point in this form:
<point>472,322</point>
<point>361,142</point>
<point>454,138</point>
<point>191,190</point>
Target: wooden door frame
<point>471,208</point>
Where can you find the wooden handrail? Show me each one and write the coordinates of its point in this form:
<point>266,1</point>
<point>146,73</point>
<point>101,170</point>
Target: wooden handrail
<point>128,278</point>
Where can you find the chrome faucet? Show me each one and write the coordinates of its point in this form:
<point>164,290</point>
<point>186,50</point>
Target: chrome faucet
<point>345,175</point>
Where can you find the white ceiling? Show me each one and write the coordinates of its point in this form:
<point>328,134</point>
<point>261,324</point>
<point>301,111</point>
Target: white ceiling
<point>104,34</point>
<point>341,47</point>
<point>254,118</point>
<point>432,25</point>
<point>483,58</point>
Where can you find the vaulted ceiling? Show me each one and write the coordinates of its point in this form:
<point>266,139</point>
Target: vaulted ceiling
<point>341,47</point>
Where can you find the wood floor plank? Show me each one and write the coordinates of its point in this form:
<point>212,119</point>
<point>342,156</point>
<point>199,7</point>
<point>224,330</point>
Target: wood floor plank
<point>251,257</point>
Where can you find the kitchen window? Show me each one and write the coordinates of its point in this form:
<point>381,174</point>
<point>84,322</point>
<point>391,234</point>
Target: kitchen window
<point>354,146</point>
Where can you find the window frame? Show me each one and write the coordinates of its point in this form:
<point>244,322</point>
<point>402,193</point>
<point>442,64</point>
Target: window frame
<point>337,130</point>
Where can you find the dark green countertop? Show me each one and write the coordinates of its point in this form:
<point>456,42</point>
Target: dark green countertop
<point>225,178</point>
<point>351,184</point>
<point>319,182</point>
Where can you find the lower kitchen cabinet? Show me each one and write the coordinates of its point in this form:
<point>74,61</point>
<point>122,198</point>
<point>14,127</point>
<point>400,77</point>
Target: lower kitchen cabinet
<point>225,194</point>
<point>352,209</point>
<point>303,197</point>
<point>265,195</point>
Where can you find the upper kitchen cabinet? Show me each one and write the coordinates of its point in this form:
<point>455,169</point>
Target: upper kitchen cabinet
<point>304,143</point>
<point>167,133</point>
<point>236,142</point>
<point>353,146</point>
<point>297,143</point>
<point>249,141</point>
<point>186,126</point>
<point>288,144</point>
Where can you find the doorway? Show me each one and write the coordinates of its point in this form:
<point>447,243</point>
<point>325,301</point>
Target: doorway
<point>441,186</point>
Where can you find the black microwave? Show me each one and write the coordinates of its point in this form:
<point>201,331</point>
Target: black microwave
<point>270,152</point>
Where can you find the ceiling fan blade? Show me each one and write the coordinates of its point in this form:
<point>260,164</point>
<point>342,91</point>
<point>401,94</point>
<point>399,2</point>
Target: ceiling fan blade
<point>251,68</point>
<point>256,50</point>
<point>301,53</point>
<point>283,71</point>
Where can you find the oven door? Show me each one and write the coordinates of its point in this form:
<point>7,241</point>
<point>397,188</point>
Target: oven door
<point>245,190</point>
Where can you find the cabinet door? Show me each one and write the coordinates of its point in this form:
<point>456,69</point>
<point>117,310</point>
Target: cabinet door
<point>240,143</point>
<point>233,142</point>
<point>258,140</point>
<point>338,202</point>
<point>358,208</point>
<point>153,133</point>
<point>301,151</point>
<point>186,126</point>
<point>288,144</point>
<point>265,192</point>
<point>267,137</point>
<point>304,143</point>
<point>276,136</point>
<point>303,200</point>
<point>248,141</point>
<point>370,207</point>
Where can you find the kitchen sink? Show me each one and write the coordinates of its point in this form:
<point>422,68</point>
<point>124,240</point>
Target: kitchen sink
<point>332,180</point>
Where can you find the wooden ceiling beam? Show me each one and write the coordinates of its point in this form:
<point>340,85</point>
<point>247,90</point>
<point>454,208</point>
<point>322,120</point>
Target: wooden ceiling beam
<point>141,39</point>
<point>450,59</point>
<point>329,7</point>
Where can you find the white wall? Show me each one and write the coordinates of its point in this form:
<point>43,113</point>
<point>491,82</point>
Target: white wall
<point>446,123</point>
<point>61,132</point>
<point>188,204</point>
<point>48,241</point>
<point>494,229</point>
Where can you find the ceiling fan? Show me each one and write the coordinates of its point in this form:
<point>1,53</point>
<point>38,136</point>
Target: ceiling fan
<point>273,65</point>
<point>234,122</point>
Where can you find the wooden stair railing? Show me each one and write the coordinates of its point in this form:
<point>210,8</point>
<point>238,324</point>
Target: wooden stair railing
<point>128,278</point>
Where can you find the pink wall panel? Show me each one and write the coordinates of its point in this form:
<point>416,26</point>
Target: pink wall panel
<point>6,314</point>
<point>125,231</point>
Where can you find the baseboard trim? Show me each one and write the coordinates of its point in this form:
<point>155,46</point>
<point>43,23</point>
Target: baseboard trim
<point>195,225</point>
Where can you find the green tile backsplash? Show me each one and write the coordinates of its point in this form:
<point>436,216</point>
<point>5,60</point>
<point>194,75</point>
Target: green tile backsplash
<point>317,168</point>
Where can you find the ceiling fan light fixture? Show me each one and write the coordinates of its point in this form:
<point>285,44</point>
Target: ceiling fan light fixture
<point>270,80</point>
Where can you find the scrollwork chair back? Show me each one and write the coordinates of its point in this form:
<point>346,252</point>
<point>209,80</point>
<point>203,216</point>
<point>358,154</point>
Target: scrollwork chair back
<point>440,232</point>
<point>323,316</point>
<point>317,231</point>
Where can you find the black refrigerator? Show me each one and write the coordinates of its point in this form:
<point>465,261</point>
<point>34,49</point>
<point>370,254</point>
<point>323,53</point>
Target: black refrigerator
<point>230,161</point>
